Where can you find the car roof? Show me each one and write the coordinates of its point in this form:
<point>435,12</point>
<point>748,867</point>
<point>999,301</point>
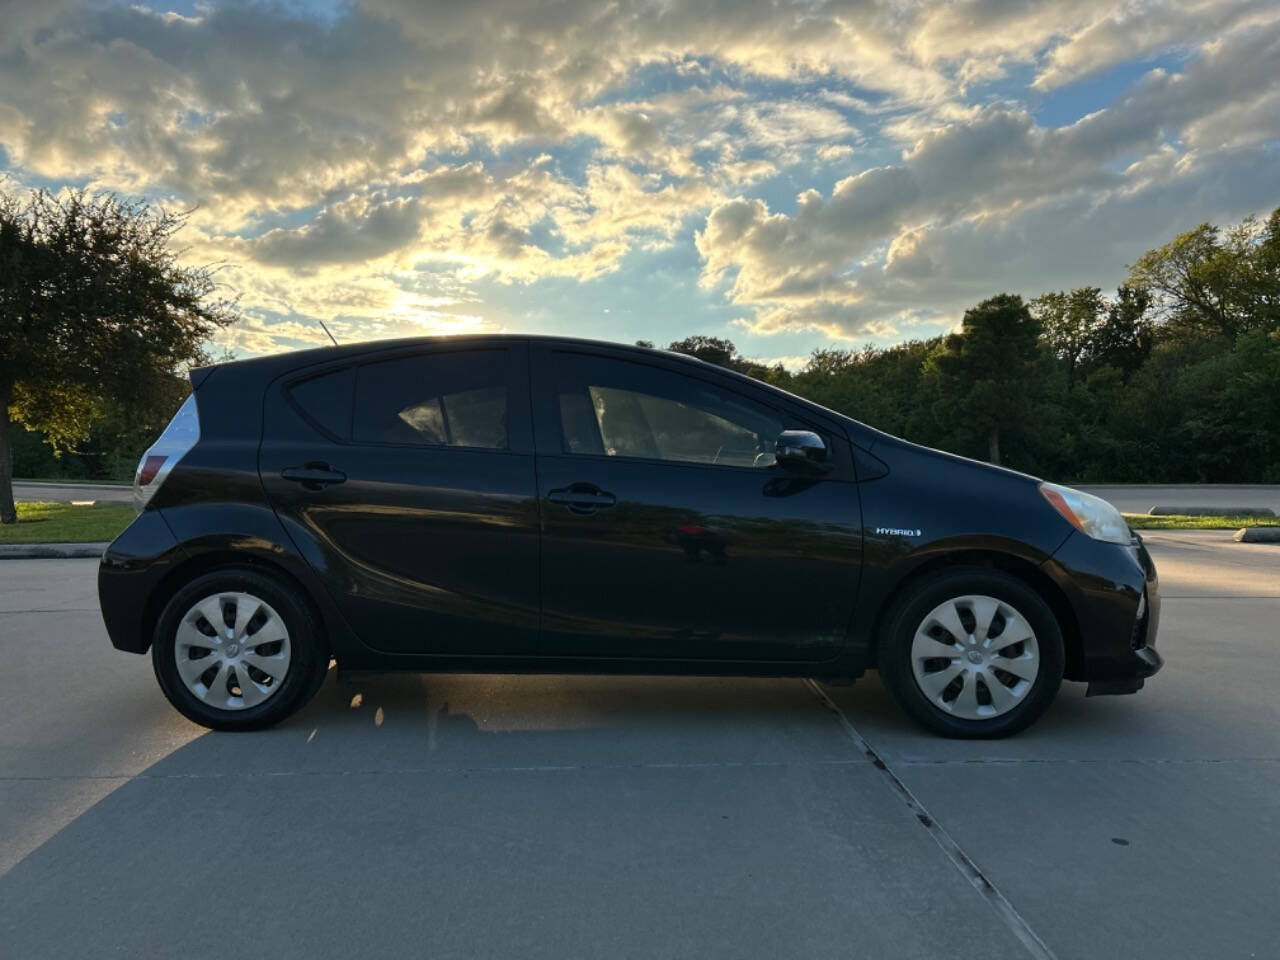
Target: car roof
<point>279,364</point>
<point>296,359</point>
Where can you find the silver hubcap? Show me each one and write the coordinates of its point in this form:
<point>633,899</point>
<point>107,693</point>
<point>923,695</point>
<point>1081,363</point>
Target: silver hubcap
<point>232,650</point>
<point>975,657</point>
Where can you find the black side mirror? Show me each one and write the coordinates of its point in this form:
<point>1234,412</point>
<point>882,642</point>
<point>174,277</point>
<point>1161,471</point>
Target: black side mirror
<point>802,450</point>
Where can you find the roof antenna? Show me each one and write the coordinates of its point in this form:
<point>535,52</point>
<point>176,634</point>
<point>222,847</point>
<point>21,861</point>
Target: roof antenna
<point>326,330</point>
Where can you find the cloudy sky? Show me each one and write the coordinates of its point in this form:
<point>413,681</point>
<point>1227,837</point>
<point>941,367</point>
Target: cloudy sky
<point>789,175</point>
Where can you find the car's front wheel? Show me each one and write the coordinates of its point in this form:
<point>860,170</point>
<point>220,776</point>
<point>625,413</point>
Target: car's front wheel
<point>238,650</point>
<point>972,652</point>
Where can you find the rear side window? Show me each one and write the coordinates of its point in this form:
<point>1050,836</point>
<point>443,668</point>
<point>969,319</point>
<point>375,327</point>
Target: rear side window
<point>457,399</point>
<point>326,400</point>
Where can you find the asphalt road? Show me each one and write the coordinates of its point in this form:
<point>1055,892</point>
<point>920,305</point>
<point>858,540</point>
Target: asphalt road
<point>1137,498</point>
<point>464,816</point>
<point>67,492</point>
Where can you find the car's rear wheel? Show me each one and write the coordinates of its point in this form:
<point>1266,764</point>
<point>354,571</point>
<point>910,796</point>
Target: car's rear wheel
<point>238,650</point>
<point>972,652</point>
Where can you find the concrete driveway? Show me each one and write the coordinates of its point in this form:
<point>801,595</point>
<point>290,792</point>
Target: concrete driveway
<point>464,816</point>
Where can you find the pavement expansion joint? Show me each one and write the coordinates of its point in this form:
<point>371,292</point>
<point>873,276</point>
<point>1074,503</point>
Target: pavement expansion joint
<point>1017,925</point>
<point>1051,761</point>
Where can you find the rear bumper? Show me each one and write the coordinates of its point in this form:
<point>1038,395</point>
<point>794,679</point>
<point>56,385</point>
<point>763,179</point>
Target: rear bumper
<point>1115,594</point>
<point>132,567</point>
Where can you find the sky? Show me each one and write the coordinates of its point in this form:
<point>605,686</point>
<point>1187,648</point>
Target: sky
<point>789,175</point>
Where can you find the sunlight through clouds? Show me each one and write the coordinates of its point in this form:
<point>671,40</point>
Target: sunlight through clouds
<point>786,173</point>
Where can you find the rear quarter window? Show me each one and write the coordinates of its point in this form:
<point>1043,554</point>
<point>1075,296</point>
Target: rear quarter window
<point>326,401</point>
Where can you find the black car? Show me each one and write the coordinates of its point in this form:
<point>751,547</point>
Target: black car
<point>511,504</point>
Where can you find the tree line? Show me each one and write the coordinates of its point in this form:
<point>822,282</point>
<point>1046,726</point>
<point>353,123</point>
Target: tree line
<point>1173,378</point>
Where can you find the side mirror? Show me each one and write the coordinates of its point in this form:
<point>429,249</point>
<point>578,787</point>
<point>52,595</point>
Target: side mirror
<point>802,450</point>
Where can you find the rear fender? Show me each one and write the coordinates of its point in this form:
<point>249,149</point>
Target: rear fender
<point>205,537</point>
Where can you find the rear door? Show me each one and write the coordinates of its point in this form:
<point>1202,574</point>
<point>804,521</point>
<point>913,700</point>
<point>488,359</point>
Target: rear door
<point>407,480</point>
<point>668,530</point>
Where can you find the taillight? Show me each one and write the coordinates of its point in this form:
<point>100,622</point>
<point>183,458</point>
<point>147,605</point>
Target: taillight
<point>178,437</point>
<point>151,465</point>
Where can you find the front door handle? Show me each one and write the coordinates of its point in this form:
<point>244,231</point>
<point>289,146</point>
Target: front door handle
<point>314,475</point>
<point>582,498</point>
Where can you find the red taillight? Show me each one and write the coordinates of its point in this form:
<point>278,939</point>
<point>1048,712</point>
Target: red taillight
<point>182,433</point>
<point>150,467</point>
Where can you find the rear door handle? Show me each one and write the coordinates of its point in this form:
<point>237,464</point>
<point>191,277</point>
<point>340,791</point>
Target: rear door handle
<point>582,498</point>
<point>313,476</point>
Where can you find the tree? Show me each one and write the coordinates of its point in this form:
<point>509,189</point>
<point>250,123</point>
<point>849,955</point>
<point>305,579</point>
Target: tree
<point>1176,377</point>
<point>877,385</point>
<point>984,375</point>
<point>1070,322</point>
<point>1125,336</point>
<point>723,353</point>
<point>1264,277</point>
<point>95,311</point>
<point>1209,283</point>
<point>113,446</point>
<point>711,349</point>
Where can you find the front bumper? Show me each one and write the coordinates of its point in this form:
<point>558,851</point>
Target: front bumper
<point>1146,662</point>
<point>1114,593</point>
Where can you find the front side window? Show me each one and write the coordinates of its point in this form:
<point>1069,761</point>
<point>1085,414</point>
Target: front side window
<point>457,399</point>
<point>621,409</point>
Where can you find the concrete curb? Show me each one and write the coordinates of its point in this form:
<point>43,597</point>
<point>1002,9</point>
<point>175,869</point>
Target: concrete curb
<point>1257,535</point>
<point>1211,512</point>
<point>51,551</point>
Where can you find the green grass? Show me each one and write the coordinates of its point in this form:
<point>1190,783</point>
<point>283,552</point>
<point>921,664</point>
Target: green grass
<point>1141,521</point>
<point>40,522</point>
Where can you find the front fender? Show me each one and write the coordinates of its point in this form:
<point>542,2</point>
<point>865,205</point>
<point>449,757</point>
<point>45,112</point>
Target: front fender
<point>912,520</point>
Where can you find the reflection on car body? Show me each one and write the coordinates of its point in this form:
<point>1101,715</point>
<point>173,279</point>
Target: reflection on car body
<point>539,504</point>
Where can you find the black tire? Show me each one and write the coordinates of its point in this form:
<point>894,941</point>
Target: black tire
<point>308,664</point>
<point>909,611</point>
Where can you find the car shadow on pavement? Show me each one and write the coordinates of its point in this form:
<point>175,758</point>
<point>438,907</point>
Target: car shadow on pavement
<point>393,809</point>
<point>402,805</point>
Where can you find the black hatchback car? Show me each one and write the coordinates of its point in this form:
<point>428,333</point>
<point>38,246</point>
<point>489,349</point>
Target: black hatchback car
<point>512,504</point>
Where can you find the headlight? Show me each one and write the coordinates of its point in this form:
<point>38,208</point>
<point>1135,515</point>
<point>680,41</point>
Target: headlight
<point>1091,515</point>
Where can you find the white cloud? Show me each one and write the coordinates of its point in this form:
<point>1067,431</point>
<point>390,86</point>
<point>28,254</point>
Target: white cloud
<point>377,166</point>
<point>1123,34</point>
<point>995,200</point>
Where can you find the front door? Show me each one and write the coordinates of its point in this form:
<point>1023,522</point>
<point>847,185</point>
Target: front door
<point>667,529</point>
<point>408,483</point>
